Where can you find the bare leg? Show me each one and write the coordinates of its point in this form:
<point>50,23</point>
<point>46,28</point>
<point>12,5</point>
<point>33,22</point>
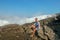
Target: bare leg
<point>33,32</point>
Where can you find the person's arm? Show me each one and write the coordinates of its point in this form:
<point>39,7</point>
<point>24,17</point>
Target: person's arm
<point>32,26</point>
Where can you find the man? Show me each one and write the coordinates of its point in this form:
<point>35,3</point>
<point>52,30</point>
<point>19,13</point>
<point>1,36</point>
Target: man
<point>35,26</point>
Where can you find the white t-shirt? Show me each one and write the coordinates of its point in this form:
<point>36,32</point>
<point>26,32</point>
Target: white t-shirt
<point>37,25</point>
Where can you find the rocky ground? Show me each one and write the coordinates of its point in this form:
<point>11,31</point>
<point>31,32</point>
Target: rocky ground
<point>49,31</point>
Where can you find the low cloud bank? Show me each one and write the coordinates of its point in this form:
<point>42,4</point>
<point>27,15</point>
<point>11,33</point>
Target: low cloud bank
<point>18,20</point>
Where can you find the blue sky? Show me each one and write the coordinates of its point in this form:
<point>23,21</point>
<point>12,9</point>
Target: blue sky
<point>28,8</point>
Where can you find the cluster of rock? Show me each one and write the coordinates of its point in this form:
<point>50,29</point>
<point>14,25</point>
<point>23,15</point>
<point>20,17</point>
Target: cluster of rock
<point>17,32</point>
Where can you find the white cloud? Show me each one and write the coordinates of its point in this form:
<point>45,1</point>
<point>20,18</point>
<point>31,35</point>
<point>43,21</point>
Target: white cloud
<point>3,22</point>
<point>18,20</point>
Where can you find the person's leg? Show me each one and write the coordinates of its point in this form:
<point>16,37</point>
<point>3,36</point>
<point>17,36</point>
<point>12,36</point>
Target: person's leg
<point>33,32</point>
<point>34,29</point>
